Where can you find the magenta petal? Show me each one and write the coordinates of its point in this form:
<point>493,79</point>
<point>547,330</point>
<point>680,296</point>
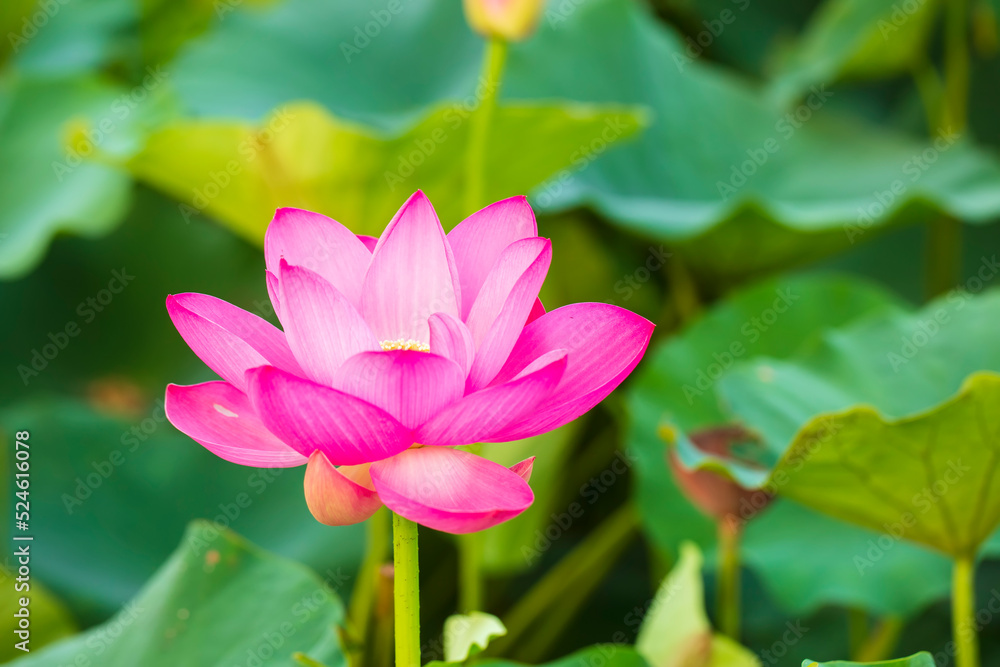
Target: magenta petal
<point>317,243</point>
<point>273,292</point>
<point>484,415</point>
<point>536,311</point>
<point>310,416</point>
<point>369,241</point>
<point>524,468</point>
<point>339,496</point>
<point>220,417</point>
<point>412,275</point>
<point>228,339</point>
<point>504,303</point>
<point>478,241</point>
<point>604,343</point>
<point>322,327</point>
<point>451,338</point>
<point>450,490</point>
<point>411,386</point>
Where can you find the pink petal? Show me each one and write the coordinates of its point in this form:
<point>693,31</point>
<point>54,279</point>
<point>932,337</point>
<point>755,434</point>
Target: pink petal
<point>478,241</point>
<point>220,417</point>
<point>228,339</point>
<point>310,416</point>
<point>322,327</point>
<point>273,292</point>
<point>412,275</point>
<point>450,490</point>
<point>317,243</point>
<point>604,342</point>
<point>339,496</point>
<point>524,468</point>
<point>451,338</point>
<point>369,241</point>
<point>411,386</point>
<point>504,303</point>
<point>536,311</point>
<point>484,415</point>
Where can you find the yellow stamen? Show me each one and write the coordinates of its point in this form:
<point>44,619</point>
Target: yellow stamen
<point>405,344</point>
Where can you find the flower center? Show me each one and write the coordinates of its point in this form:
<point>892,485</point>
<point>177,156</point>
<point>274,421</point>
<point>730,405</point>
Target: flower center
<point>405,344</point>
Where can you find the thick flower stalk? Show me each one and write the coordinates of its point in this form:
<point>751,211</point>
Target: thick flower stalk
<point>394,352</point>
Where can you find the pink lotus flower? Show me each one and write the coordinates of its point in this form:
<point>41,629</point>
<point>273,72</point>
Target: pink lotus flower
<point>395,351</point>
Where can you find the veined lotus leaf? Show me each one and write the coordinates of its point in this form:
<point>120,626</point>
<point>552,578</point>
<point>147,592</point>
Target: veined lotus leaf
<point>203,607</point>
<point>890,423</point>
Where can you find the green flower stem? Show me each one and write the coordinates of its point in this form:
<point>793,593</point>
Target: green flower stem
<point>479,128</point>
<point>963,602</point>
<point>366,585</point>
<point>728,600</point>
<point>552,601</point>
<point>956,64</point>
<point>470,565</point>
<point>880,642</point>
<point>406,591</point>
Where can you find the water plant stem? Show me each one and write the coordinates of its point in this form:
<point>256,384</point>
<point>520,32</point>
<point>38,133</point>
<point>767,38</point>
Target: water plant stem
<point>578,573</point>
<point>728,600</point>
<point>479,124</point>
<point>470,561</point>
<point>963,622</point>
<point>406,591</point>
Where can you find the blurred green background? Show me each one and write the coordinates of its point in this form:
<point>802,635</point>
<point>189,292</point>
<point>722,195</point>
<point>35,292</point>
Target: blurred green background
<point>690,159</point>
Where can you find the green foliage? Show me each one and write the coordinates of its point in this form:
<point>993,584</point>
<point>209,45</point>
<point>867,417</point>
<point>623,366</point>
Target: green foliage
<point>676,632</point>
<point>47,184</point>
<point>302,156</point>
<point>465,635</point>
<point>901,394</point>
<point>202,608</point>
<point>918,660</point>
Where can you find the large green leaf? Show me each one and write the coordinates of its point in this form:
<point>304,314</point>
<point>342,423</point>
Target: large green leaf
<point>218,601</point>
<point>114,486</point>
<point>677,387</point>
<point>802,202</point>
<point>49,618</point>
<point>45,184</point>
<point>890,423</point>
<point>676,632</point>
<point>919,660</point>
<point>856,39</point>
<point>302,156</point>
